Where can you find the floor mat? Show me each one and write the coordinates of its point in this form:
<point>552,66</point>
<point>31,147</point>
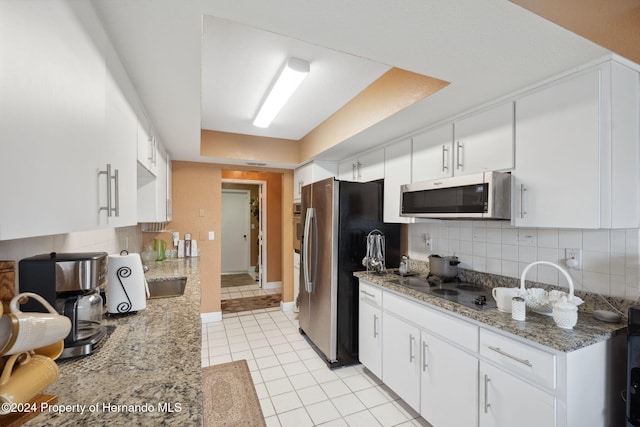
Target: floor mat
<point>229,396</point>
<point>250,303</point>
<point>232,280</point>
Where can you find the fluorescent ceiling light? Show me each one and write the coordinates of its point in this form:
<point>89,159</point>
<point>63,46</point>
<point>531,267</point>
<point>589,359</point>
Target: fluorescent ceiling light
<point>292,74</point>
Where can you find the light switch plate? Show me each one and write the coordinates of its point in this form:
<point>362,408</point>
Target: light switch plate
<point>212,235</point>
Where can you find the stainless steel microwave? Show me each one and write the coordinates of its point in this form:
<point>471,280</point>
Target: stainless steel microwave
<point>484,195</point>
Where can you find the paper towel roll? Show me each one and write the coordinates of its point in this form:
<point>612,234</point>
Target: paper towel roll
<point>126,285</point>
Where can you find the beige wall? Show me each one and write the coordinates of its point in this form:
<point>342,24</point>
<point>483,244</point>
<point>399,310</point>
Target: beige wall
<point>394,91</point>
<point>247,147</point>
<point>197,197</point>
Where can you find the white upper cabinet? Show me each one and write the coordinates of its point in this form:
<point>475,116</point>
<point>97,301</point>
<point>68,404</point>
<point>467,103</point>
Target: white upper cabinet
<point>148,145</point>
<point>53,117</point>
<point>478,143</point>
<point>365,167</point>
<point>577,151</point>
<point>397,171</point>
<point>118,151</point>
<point>311,172</point>
<point>69,126</point>
<point>154,190</point>
<point>432,154</point>
<point>484,141</point>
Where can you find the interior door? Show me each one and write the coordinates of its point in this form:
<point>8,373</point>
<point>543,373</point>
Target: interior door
<point>235,231</point>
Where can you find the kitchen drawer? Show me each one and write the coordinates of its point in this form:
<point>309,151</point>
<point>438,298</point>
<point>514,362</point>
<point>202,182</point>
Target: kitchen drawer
<point>454,330</point>
<point>524,360</point>
<point>370,293</point>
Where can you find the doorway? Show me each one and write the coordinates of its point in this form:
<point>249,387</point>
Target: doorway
<point>244,236</point>
<point>235,231</point>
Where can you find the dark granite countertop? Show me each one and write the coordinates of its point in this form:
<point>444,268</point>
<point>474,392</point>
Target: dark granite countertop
<point>537,328</point>
<point>148,370</point>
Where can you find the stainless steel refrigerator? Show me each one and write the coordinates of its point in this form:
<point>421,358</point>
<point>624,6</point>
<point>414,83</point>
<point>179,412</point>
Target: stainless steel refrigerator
<point>336,218</point>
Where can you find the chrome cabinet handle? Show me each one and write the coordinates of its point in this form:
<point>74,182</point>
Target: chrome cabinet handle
<point>459,147</point>
<point>359,171</point>
<point>486,393</point>
<point>152,147</point>
<point>523,190</point>
<point>425,365</point>
<point>510,356</point>
<point>367,294</point>
<point>107,208</point>
<point>411,355</point>
<point>375,325</point>
<point>116,181</point>
<point>353,171</point>
<point>444,162</point>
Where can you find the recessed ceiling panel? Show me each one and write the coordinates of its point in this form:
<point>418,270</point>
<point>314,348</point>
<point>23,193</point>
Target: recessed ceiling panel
<point>239,64</point>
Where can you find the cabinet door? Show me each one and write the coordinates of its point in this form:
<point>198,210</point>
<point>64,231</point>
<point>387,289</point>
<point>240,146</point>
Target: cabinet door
<point>348,170</point>
<point>449,384</point>
<point>119,150</point>
<point>557,161</point>
<point>484,141</point>
<point>397,171</point>
<point>507,401</point>
<point>169,186</point>
<point>371,166</point>
<point>147,155</point>
<point>370,337</point>
<point>301,177</point>
<point>152,191</point>
<point>401,359</point>
<point>53,107</point>
<point>432,154</point>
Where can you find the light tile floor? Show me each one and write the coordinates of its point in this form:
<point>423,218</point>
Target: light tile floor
<point>246,291</point>
<point>295,387</point>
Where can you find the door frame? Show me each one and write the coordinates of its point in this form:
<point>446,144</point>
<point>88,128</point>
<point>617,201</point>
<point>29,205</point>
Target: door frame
<point>262,225</point>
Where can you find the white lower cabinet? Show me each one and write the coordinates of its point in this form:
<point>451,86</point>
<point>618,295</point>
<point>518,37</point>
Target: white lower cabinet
<point>401,359</point>
<point>508,401</point>
<point>449,384</point>
<point>370,327</point>
<point>457,372</point>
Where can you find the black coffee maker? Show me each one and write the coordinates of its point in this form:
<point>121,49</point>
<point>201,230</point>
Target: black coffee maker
<point>72,283</point>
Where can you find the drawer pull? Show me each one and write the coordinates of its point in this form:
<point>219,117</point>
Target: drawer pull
<point>368,294</point>
<point>510,356</point>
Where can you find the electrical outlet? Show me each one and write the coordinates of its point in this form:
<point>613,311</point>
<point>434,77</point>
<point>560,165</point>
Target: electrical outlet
<point>573,257</point>
<point>428,243</point>
<point>212,235</point>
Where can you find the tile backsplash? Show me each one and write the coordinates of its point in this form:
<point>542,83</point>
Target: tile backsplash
<point>111,241</point>
<point>610,258</point>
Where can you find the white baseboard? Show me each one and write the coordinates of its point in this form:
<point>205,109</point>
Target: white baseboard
<point>214,316</point>
<point>272,285</point>
<point>287,306</point>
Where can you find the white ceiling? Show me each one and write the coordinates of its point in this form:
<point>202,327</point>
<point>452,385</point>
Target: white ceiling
<point>485,48</point>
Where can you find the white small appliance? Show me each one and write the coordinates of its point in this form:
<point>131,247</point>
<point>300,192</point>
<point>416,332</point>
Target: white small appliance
<point>126,285</point>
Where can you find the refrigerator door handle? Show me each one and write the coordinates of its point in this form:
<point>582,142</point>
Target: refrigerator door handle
<point>305,249</point>
<point>314,260</point>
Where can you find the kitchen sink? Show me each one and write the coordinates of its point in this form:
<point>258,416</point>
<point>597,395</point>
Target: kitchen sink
<point>166,288</point>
